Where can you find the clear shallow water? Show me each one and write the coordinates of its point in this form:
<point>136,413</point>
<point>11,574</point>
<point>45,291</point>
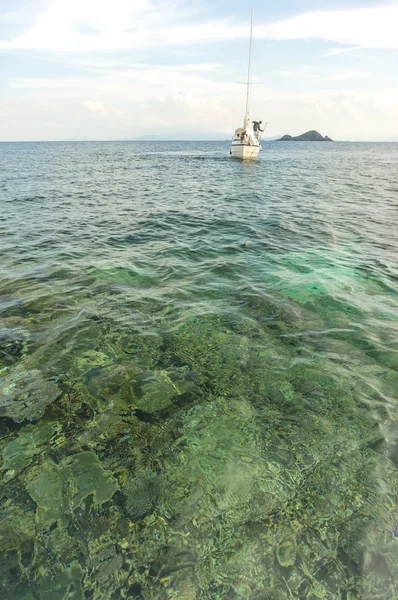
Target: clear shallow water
<point>198,363</point>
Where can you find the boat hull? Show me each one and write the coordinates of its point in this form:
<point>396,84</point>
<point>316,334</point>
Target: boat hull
<point>245,151</point>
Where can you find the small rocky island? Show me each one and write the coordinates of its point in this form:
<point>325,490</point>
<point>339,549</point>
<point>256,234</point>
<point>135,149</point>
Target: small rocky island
<point>309,136</point>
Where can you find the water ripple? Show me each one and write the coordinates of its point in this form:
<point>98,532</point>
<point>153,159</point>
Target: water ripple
<point>213,347</point>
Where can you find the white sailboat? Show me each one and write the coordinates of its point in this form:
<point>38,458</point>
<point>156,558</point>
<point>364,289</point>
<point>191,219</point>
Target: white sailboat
<point>246,142</point>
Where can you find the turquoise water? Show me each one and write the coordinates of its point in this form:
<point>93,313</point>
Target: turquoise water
<point>198,363</point>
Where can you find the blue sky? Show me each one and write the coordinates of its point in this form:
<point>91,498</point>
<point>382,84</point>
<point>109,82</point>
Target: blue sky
<point>102,69</point>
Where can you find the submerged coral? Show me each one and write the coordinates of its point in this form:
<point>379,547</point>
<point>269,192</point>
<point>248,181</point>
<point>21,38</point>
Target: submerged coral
<point>213,475</point>
<point>64,585</point>
<point>19,452</point>
<point>59,489</point>
<point>25,394</point>
<point>286,550</point>
<point>231,455</point>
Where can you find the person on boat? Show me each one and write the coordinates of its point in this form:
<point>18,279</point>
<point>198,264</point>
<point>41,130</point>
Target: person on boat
<point>257,128</point>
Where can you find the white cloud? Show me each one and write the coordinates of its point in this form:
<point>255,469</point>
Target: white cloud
<point>132,101</point>
<point>122,97</point>
<point>83,25</point>
<point>99,108</point>
<point>120,104</point>
<point>299,72</point>
<point>100,25</point>
<point>374,27</point>
<point>337,51</point>
<point>169,76</point>
<point>348,74</point>
<point>95,106</point>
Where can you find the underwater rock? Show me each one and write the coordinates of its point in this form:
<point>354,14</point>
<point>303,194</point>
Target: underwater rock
<point>25,394</point>
<point>92,358</point>
<point>12,346</point>
<point>142,495</point>
<point>59,543</point>
<point>272,594</point>
<point>215,354</point>
<point>140,342</point>
<point>317,591</point>
<point>47,489</point>
<point>66,585</point>
<point>286,551</point>
<point>86,471</point>
<point>20,452</point>
<point>60,489</point>
<point>17,549</point>
<point>158,393</point>
<point>218,470</point>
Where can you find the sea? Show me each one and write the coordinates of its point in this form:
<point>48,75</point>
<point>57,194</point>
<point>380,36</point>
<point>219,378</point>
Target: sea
<point>198,371</point>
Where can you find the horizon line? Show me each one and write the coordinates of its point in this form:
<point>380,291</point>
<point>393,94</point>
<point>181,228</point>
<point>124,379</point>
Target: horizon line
<point>274,139</point>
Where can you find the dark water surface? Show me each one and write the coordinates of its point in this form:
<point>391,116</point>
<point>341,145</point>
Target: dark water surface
<point>198,372</point>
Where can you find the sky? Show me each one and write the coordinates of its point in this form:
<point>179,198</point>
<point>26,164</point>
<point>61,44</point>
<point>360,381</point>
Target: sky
<point>117,69</point>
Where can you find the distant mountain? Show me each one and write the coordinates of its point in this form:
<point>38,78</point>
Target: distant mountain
<point>309,136</point>
<point>182,136</point>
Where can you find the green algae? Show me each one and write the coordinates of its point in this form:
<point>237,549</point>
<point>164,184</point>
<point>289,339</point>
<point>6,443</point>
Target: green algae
<point>65,585</point>
<point>58,490</point>
<point>15,537</point>
<point>19,453</point>
<point>88,477</point>
<point>46,487</point>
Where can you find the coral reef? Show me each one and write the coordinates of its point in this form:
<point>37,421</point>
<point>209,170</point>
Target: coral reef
<point>233,456</point>
<point>25,394</point>
<point>58,490</point>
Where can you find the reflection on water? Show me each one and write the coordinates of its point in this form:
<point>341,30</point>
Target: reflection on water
<point>198,364</point>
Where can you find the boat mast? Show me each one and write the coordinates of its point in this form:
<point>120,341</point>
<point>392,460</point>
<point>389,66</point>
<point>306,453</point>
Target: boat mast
<point>248,70</point>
